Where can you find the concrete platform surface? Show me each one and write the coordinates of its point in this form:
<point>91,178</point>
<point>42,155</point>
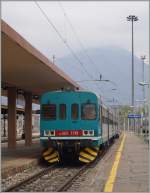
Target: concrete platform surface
<point>16,160</point>
<point>133,169</point>
<point>129,173</point>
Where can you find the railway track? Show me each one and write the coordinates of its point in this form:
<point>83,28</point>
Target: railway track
<point>70,181</point>
<point>53,178</point>
<point>30,179</point>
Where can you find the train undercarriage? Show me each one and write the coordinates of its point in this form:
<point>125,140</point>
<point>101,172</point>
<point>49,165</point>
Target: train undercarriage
<point>70,150</point>
<point>85,151</point>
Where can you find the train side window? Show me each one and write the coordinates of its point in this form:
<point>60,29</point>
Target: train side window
<point>49,111</point>
<point>74,111</point>
<point>62,111</point>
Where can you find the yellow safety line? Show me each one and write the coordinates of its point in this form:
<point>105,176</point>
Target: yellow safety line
<point>111,179</point>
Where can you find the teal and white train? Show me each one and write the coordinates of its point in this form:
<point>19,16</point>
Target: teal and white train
<point>75,125</point>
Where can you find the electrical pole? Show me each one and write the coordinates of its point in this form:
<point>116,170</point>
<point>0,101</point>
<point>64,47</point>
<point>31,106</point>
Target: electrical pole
<point>143,88</point>
<point>132,18</point>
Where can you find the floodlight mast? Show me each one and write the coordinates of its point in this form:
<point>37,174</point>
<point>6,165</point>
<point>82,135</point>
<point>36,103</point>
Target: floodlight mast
<point>132,18</point>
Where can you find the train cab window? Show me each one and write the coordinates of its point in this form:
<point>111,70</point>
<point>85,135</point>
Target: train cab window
<point>62,111</point>
<point>49,111</point>
<point>74,111</point>
<point>88,111</point>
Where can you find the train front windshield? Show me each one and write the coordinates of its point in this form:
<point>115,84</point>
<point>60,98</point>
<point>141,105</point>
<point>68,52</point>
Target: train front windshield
<point>49,111</point>
<point>88,111</point>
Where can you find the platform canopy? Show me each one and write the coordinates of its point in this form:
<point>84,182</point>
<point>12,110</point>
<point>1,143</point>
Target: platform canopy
<point>24,67</point>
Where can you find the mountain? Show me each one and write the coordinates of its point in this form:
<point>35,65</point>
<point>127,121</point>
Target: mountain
<point>113,63</point>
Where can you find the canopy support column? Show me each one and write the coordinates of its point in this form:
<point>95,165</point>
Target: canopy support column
<point>28,119</point>
<point>11,117</point>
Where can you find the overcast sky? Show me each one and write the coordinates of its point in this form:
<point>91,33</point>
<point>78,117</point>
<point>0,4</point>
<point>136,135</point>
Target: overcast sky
<point>96,23</point>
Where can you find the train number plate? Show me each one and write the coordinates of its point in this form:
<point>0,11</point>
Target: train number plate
<point>68,133</point>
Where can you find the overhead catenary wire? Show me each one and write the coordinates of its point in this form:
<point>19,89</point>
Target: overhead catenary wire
<point>80,42</point>
<point>76,35</point>
<point>78,39</point>
<point>61,37</point>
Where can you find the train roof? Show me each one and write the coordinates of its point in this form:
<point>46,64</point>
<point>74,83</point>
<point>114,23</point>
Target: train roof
<point>77,91</point>
<point>85,91</point>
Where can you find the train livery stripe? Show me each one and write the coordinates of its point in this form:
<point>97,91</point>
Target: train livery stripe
<point>87,156</point>
<point>70,138</point>
<point>90,151</point>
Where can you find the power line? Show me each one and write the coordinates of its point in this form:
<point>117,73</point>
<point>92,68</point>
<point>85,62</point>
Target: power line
<point>78,39</point>
<point>75,33</point>
<point>62,39</point>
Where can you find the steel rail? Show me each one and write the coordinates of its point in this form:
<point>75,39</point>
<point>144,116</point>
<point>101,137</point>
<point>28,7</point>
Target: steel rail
<point>65,186</point>
<point>69,182</point>
<point>30,179</point>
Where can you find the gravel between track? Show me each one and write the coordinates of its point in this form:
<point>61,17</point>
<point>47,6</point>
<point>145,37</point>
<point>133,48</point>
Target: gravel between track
<point>50,181</point>
<point>18,177</point>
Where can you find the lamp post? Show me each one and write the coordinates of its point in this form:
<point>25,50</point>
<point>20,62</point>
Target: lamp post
<point>143,84</point>
<point>132,18</point>
<point>143,88</point>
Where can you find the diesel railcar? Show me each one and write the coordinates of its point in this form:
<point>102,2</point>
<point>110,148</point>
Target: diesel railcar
<point>74,124</point>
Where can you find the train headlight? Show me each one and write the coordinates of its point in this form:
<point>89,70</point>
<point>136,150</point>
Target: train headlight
<point>88,132</point>
<point>46,133</point>
<point>91,132</point>
<point>51,133</point>
<point>85,132</point>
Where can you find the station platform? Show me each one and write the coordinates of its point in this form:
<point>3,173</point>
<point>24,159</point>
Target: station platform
<point>129,170</point>
<point>16,160</point>
<point>124,168</point>
<point>133,170</point>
